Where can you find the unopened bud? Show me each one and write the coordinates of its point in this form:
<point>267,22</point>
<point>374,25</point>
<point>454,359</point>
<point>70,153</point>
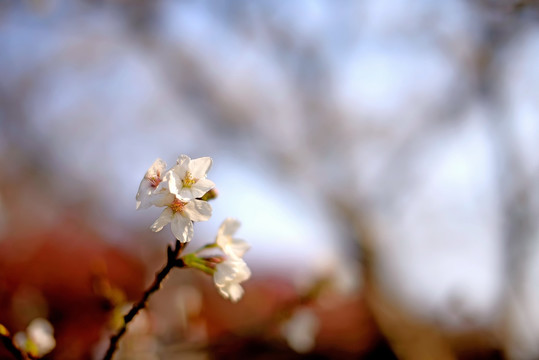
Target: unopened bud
<point>210,195</point>
<point>3,330</point>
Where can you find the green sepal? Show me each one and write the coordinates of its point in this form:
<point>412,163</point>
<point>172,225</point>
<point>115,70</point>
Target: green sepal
<point>193,261</point>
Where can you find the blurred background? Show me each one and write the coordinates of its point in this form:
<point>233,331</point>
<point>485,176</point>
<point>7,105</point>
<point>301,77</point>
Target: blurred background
<point>382,156</point>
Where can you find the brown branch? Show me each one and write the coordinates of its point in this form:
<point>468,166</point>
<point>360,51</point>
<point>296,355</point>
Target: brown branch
<point>172,261</point>
<point>10,346</point>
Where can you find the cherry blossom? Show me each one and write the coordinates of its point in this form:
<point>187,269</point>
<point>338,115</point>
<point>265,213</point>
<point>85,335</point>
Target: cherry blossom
<point>176,189</point>
<point>38,340</point>
<point>150,182</point>
<point>181,214</point>
<point>301,329</point>
<point>231,246</point>
<point>190,174</point>
<point>228,276</point>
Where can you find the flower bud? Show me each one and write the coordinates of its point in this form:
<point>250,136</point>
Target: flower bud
<point>210,195</point>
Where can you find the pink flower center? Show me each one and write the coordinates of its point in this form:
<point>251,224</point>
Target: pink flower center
<point>155,180</point>
<point>177,205</point>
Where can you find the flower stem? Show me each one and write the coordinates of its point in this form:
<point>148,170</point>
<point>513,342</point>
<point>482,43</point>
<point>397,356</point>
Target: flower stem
<point>193,261</point>
<point>207,246</point>
<point>172,256</point>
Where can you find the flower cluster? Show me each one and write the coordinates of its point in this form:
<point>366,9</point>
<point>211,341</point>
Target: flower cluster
<point>38,340</point>
<point>183,191</point>
<point>178,190</point>
<point>233,270</point>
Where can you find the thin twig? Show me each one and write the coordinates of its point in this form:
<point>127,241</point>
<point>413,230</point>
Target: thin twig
<point>172,261</point>
<point>8,343</point>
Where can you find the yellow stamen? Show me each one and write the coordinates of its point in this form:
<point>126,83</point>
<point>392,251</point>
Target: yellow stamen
<point>188,180</point>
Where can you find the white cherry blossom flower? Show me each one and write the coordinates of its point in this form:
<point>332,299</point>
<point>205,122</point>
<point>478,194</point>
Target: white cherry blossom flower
<point>38,340</point>
<point>150,182</point>
<point>233,270</point>
<point>228,276</point>
<point>231,246</point>
<point>162,189</point>
<point>300,330</point>
<point>181,214</point>
<point>191,182</point>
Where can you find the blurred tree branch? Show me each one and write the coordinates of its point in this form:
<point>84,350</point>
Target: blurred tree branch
<point>172,262</point>
<point>7,340</point>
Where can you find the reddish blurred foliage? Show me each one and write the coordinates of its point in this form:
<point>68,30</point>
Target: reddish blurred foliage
<point>53,274</point>
<point>252,327</point>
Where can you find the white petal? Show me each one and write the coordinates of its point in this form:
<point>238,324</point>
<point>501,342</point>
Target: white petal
<point>161,199</point>
<point>20,340</point>
<point>186,193</point>
<point>40,331</point>
<point>182,228</point>
<point>201,187</point>
<point>182,167</point>
<point>39,326</point>
<point>146,189</point>
<point>225,273</point>
<point>171,183</point>
<point>163,185</point>
<point>238,247</point>
<point>159,196</point>
<point>231,270</point>
<point>200,167</point>
<point>228,276</point>
<point>243,272</point>
<point>228,227</point>
<point>156,170</point>
<point>143,194</point>
<point>162,220</point>
<point>223,242</point>
<point>301,329</point>
<point>235,292</point>
<point>219,281</point>
<point>230,290</point>
<point>140,206</point>
<point>183,160</point>
<point>223,291</point>
<point>197,210</point>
